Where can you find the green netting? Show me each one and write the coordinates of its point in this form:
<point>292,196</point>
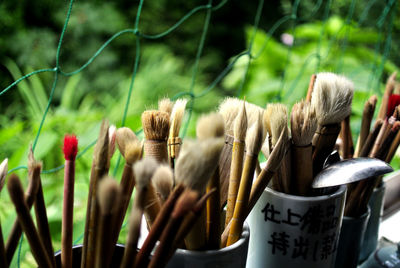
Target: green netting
<point>384,25</point>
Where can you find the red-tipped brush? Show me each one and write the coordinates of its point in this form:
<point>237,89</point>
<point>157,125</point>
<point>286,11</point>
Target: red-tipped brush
<point>70,150</point>
<point>394,100</point>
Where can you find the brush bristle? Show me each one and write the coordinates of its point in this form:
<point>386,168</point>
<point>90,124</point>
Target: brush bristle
<point>394,101</point>
<point>278,120</point>
<point>70,147</point>
<point>163,181</point>
<point>112,135</point>
<point>124,136</point>
<point>155,125</point>
<point>3,172</point>
<point>254,138</point>
<point>177,116</point>
<point>197,162</point>
<point>253,112</point>
<point>32,163</point>
<point>133,152</point>
<point>240,124</point>
<point>144,170</point>
<point>279,151</point>
<point>100,154</point>
<point>165,105</point>
<point>331,98</point>
<point>108,196</point>
<point>210,126</point>
<point>228,110</point>
<point>303,123</point>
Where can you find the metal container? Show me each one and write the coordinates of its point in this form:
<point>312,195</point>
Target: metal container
<point>233,256</point>
<point>295,231</point>
<point>370,241</point>
<point>351,237</point>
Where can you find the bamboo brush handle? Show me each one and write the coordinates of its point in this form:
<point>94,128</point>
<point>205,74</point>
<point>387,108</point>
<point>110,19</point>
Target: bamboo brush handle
<point>234,179</point>
<point>311,87</point>
<point>371,139</point>
<point>323,144</point>
<point>239,214</point>
<point>67,219</point>
<point>393,148</point>
<point>302,169</point>
<point>128,259</point>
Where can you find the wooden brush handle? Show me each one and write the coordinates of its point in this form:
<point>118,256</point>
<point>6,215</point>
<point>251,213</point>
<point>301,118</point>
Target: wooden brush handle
<point>393,148</point>
<point>311,87</point>
<point>152,205</point>
<point>68,210</point>
<point>371,139</point>
<point>213,214</point>
<point>128,259</point>
<point>43,224</point>
<point>24,217</point>
<point>224,165</point>
<point>16,230</point>
<point>239,214</point>
<point>234,179</point>
<point>158,226</point>
<point>3,258</point>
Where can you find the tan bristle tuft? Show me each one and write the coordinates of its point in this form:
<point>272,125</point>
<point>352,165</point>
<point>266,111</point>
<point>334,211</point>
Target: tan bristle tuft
<point>210,126</point>
<point>253,113</point>
<point>177,116</point>
<point>112,136</point>
<point>3,172</point>
<point>155,125</point>
<point>228,110</point>
<point>163,181</point>
<point>100,154</point>
<point>123,137</point>
<point>108,195</point>
<point>197,162</point>
<point>331,98</point>
<point>303,123</point>
<point>279,151</point>
<point>165,105</point>
<point>278,120</point>
<point>144,170</point>
<point>240,124</point>
<point>254,138</point>
<point>133,152</point>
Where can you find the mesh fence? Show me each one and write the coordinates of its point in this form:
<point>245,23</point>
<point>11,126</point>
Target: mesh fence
<point>248,58</point>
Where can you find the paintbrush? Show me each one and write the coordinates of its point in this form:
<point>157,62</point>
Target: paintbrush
<point>276,123</point>
<point>183,205</point>
<point>390,84</point>
<point>393,148</point>
<point>212,126</point>
<point>109,197</point>
<point>158,226</point>
<point>239,130</point>
<point>174,141</point>
<point>99,170</point>
<point>310,87</point>
<point>131,149</point>
<point>70,150</point>
<point>303,123</point>
<point>165,105</point>
<point>383,151</point>
<point>331,99</point>
<point>3,174</point>
<point>369,142</point>
<point>112,137</point>
<point>34,169</point>
<point>368,113</point>
<point>347,148</point>
<point>143,171</point>
<point>254,140</point>
<point>163,180</point>
<point>270,169</point>
<point>156,127</point>
<point>194,167</point>
<point>25,220</point>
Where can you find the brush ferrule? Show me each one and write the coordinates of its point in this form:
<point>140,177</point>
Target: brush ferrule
<point>174,144</point>
<point>229,140</point>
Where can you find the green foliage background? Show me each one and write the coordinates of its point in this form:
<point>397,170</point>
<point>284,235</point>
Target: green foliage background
<point>356,38</point>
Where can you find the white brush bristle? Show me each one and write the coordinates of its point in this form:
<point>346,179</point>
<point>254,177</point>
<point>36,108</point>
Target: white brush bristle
<point>210,126</point>
<point>144,170</point>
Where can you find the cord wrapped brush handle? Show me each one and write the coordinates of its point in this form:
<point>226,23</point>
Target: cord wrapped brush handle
<point>157,149</point>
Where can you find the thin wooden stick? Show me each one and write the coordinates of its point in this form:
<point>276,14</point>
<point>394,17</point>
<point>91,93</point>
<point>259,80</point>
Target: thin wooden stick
<point>371,138</point>
<point>385,99</point>
<point>368,113</point>
<point>311,87</point>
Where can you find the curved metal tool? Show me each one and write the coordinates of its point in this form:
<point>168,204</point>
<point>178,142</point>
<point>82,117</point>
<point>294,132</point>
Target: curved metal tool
<point>350,170</point>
